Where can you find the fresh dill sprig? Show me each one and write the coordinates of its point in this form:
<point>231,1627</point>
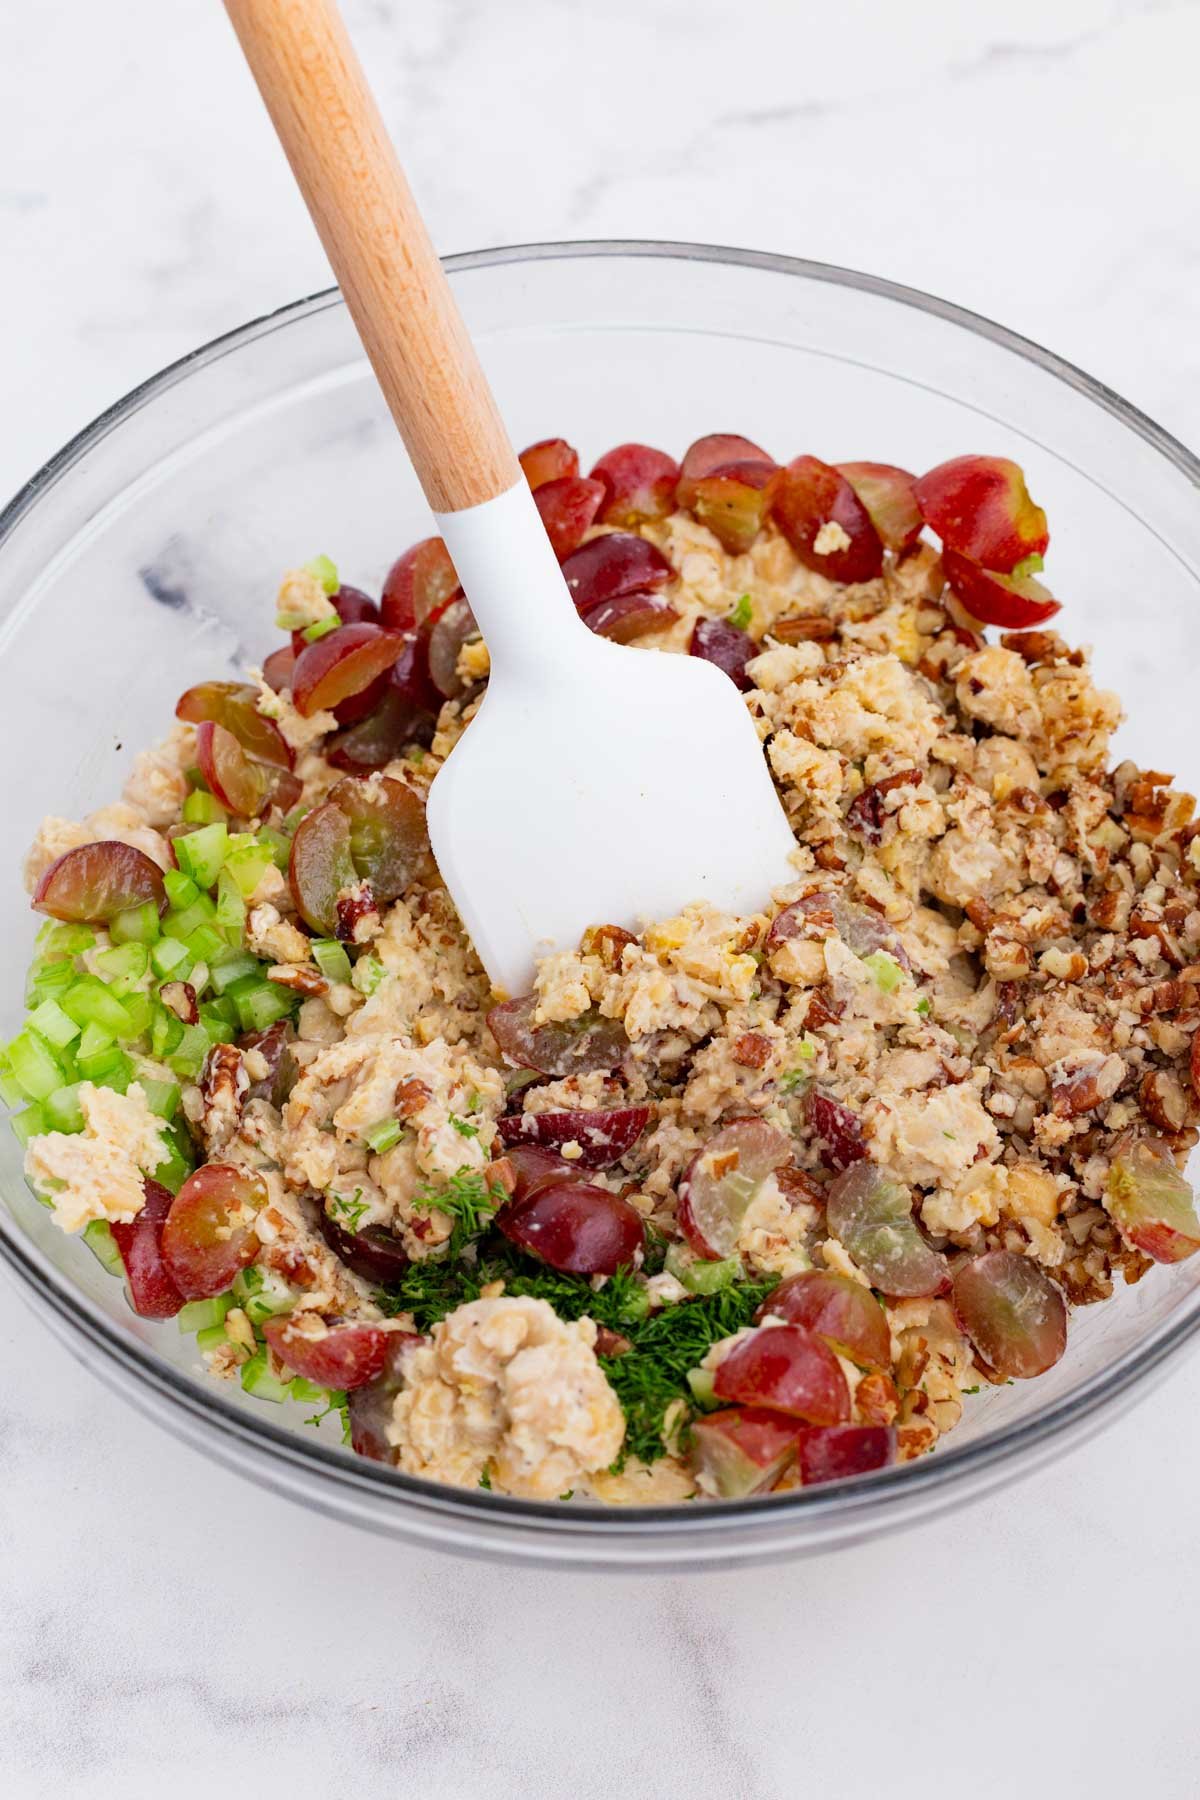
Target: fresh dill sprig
<point>469,1200</point>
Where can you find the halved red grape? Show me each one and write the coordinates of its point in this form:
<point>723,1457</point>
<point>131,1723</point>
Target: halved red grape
<point>234,704</point>
<point>550,459</point>
<point>811,495</point>
<point>629,616</point>
<point>449,631</point>
<point>603,1136</point>
<point>346,1354</point>
<point>717,641</point>
<point>889,495</point>
<point>870,1214</point>
<point>835,1452</point>
<point>417,584</point>
<point>371,1407</point>
<point>342,663</point>
<point>209,1232</point>
<point>727,483</point>
<point>388,835</point>
<point>579,1229</point>
<point>320,866</point>
<point>95,882</point>
<point>151,1290</point>
<point>615,564</point>
<point>723,1179</point>
<point>568,1047</point>
<point>980,507</point>
<point>274,1045</point>
<point>843,1312</point>
<point>352,606</point>
<point>836,1128</point>
<point>533,1167</point>
<point>638,482</point>
<point>278,667</point>
<point>742,1450</point>
<point>568,507</point>
<point>381,737</point>
<point>1014,602</point>
<point>237,782</point>
<point>1151,1202</point>
<point>788,1369</point>
<point>374,1253</point>
<point>1012,1312</point>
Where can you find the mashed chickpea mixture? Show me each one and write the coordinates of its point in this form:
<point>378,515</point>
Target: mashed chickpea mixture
<point>725,1204</point>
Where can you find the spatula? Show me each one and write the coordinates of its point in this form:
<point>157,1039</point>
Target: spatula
<point>597,784</point>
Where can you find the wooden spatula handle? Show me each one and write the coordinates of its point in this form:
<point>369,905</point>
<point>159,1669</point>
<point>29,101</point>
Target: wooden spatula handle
<point>362,206</point>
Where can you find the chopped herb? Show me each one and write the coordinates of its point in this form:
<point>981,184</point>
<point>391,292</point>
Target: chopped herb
<point>923,1006</point>
<point>468,1200</point>
<point>974,1390</point>
<point>464,1127</point>
<point>485,1480</point>
<point>742,613</point>
<point>350,1212</point>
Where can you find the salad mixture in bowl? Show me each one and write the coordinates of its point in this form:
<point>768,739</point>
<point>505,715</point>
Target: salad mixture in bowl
<point>724,1205</point>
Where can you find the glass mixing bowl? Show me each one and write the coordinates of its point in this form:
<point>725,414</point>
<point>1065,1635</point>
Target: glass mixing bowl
<point>143,558</point>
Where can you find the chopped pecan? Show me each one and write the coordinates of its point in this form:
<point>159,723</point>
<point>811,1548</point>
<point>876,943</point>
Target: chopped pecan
<point>180,998</point>
<point>501,1173</point>
<point>1088,1087</point>
<point>356,909</point>
<point>223,1086</point>
<point>814,629</point>
<point>866,815</point>
<point>608,942</point>
<point>411,1095</point>
<point>300,978</point>
<point>823,1009</point>
<point>799,1189</point>
<point>826,857</point>
<point>752,1050</point>
<point>876,1399</point>
<point>1040,647</point>
<point>1163,1100</point>
<point>611,1343</point>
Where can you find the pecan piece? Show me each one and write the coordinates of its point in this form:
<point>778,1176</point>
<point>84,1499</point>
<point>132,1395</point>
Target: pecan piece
<point>223,1086</point>
<point>180,998</point>
<point>1163,1100</point>
<point>876,1399</point>
<point>411,1095</point>
<point>356,909</point>
<point>814,629</point>
<point>611,1343</point>
<point>1088,1087</point>
<point>301,979</point>
<point>608,942</point>
<point>752,1050</point>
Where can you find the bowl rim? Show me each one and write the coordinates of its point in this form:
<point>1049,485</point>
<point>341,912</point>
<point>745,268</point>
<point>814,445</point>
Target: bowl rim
<point>854,1498</point>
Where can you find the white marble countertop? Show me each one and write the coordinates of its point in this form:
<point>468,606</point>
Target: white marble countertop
<point>165,1627</point>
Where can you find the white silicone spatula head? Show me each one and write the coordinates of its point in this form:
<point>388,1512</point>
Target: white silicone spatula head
<point>596,784</point>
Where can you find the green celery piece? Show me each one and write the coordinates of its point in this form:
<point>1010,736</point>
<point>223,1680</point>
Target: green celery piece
<point>260,1003</point>
<point>11,1091</point>
<point>170,960</point>
<point>94,1039</point>
<point>187,1058</point>
<point>48,980</point>
<point>702,1382</point>
<point>51,1022</point>
<point>66,940</point>
<point>123,967</point>
<point>207,945</point>
<point>137,925</point>
<point>325,570</point>
<point>263,1298</point>
<point>100,1241</point>
<point>701,1277</point>
<point>183,924</point>
<point>110,1069</point>
<point>181,889</point>
<point>162,1097</point>
<point>139,1006</point>
<point>222,1008</point>
<point>382,1136</point>
<point>172,1173</point>
<point>247,866</point>
<point>233,966</point>
<point>62,1109</point>
<point>211,1337</point>
<point>231,908</point>
<point>368,973</point>
<point>165,1032</point>
<point>303,1389</point>
<point>29,1124</point>
<point>89,1002</point>
<point>258,1380</point>
<point>35,1069</point>
<point>203,808</point>
<point>330,957</point>
<point>278,843</point>
<point>218,1028</point>
<point>201,853</point>
<point>202,1315</point>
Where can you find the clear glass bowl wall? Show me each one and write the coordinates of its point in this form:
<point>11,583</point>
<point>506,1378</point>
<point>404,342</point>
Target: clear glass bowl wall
<point>145,557</point>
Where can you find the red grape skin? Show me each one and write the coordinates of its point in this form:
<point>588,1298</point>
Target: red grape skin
<point>372,1253</point>
<point>639,483</point>
<point>209,1232</point>
<point>94,882</point>
<point>579,1229</point>
<point>344,1355</point>
<point>615,564</point>
<point>789,1370</point>
<point>576,1047</point>
<point>152,1292</point>
<point>842,1311</point>
<point>717,641</point>
<point>603,1136</point>
<point>832,1453</point>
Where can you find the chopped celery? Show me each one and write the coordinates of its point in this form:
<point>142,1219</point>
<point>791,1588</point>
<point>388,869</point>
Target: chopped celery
<point>89,1002</point>
<point>247,866</point>
<point>165,1032</point>
<point>330,957</point>
<point>217,1026</point>
<point>139,1007</point>
<point>100,1241</point>
<point>11,1091</point>
<point>187,1058</point>
<point>36,1071</point>
<point>258,1380</point>
<point>137,925</point>
<point>108,1068</point>
<point>206,944</point>
<point>202,1315</point>
<point>47,981</point>
<point>181,889</point>
<point>201,853</point>
<point>325,571</point>
<point>189,919</point>
<point>94,1039</point>
<point>368,973</point>
<point>203,808</point>
<point>123,966</point>
<point>29,1124</point>
<point>177,1166</point>
<point>211,1337</point>
<point>51,1022</point>
<point>701,1382</point>
<point>303,1389</point>
<point>231,908</point>
<point>233,967</point>
<point>260,1003</point>
<point>62,1109</point>
<point>262,1296</point>
<point>321,628</point>
<point>382,1136</point>
<point>886,970</point>
<point>278,843</point>
<point>66,940</point>
<point>700,1276</point>
<point>162,1097</point>
<point>170,960</point>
